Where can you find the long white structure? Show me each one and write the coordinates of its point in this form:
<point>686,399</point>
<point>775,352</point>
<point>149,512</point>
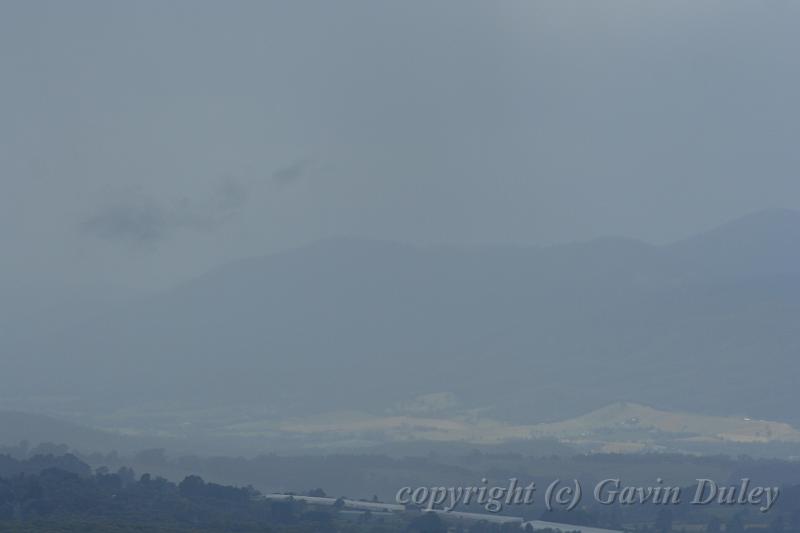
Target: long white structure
<point>358,505</point>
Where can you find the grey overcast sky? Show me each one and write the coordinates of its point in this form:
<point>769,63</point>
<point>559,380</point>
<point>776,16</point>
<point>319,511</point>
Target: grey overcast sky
<point>145,142</point>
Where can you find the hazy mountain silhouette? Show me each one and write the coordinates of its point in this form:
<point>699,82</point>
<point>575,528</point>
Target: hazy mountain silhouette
<point>709,324</point>
<point>45,431</point>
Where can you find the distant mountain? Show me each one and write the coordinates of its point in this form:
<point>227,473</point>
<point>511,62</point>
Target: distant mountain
<point>36,429</point>
<point>528,334</point>
<point>766,243</point>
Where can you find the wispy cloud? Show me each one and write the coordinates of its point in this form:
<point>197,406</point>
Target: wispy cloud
<point>139,222</point>
<point>292,172</point>
<point>139,219</point>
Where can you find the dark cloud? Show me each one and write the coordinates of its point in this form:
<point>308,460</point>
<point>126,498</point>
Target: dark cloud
<point>231,194</point>
<point>134,223</point>
<point>290,173</point>
<point>142,220</point>
<point>139,219</point>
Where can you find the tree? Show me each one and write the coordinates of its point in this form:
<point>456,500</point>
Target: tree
<point>427,523</point>
<point>192,487</point>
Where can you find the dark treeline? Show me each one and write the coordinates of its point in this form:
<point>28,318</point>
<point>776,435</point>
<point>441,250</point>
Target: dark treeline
<point>364,475</point>
<point>48,493</point>
<point>62,493</point>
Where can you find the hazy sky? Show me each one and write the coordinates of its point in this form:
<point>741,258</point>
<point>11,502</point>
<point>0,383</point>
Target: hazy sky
<point>144,142</point>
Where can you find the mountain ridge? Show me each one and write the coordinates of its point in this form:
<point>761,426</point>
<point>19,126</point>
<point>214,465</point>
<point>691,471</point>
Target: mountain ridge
<point>587,324</point>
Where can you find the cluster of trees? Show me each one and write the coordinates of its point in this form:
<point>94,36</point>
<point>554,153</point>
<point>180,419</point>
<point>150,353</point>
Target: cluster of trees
<point>62,494</point>
<point>49,493</point>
